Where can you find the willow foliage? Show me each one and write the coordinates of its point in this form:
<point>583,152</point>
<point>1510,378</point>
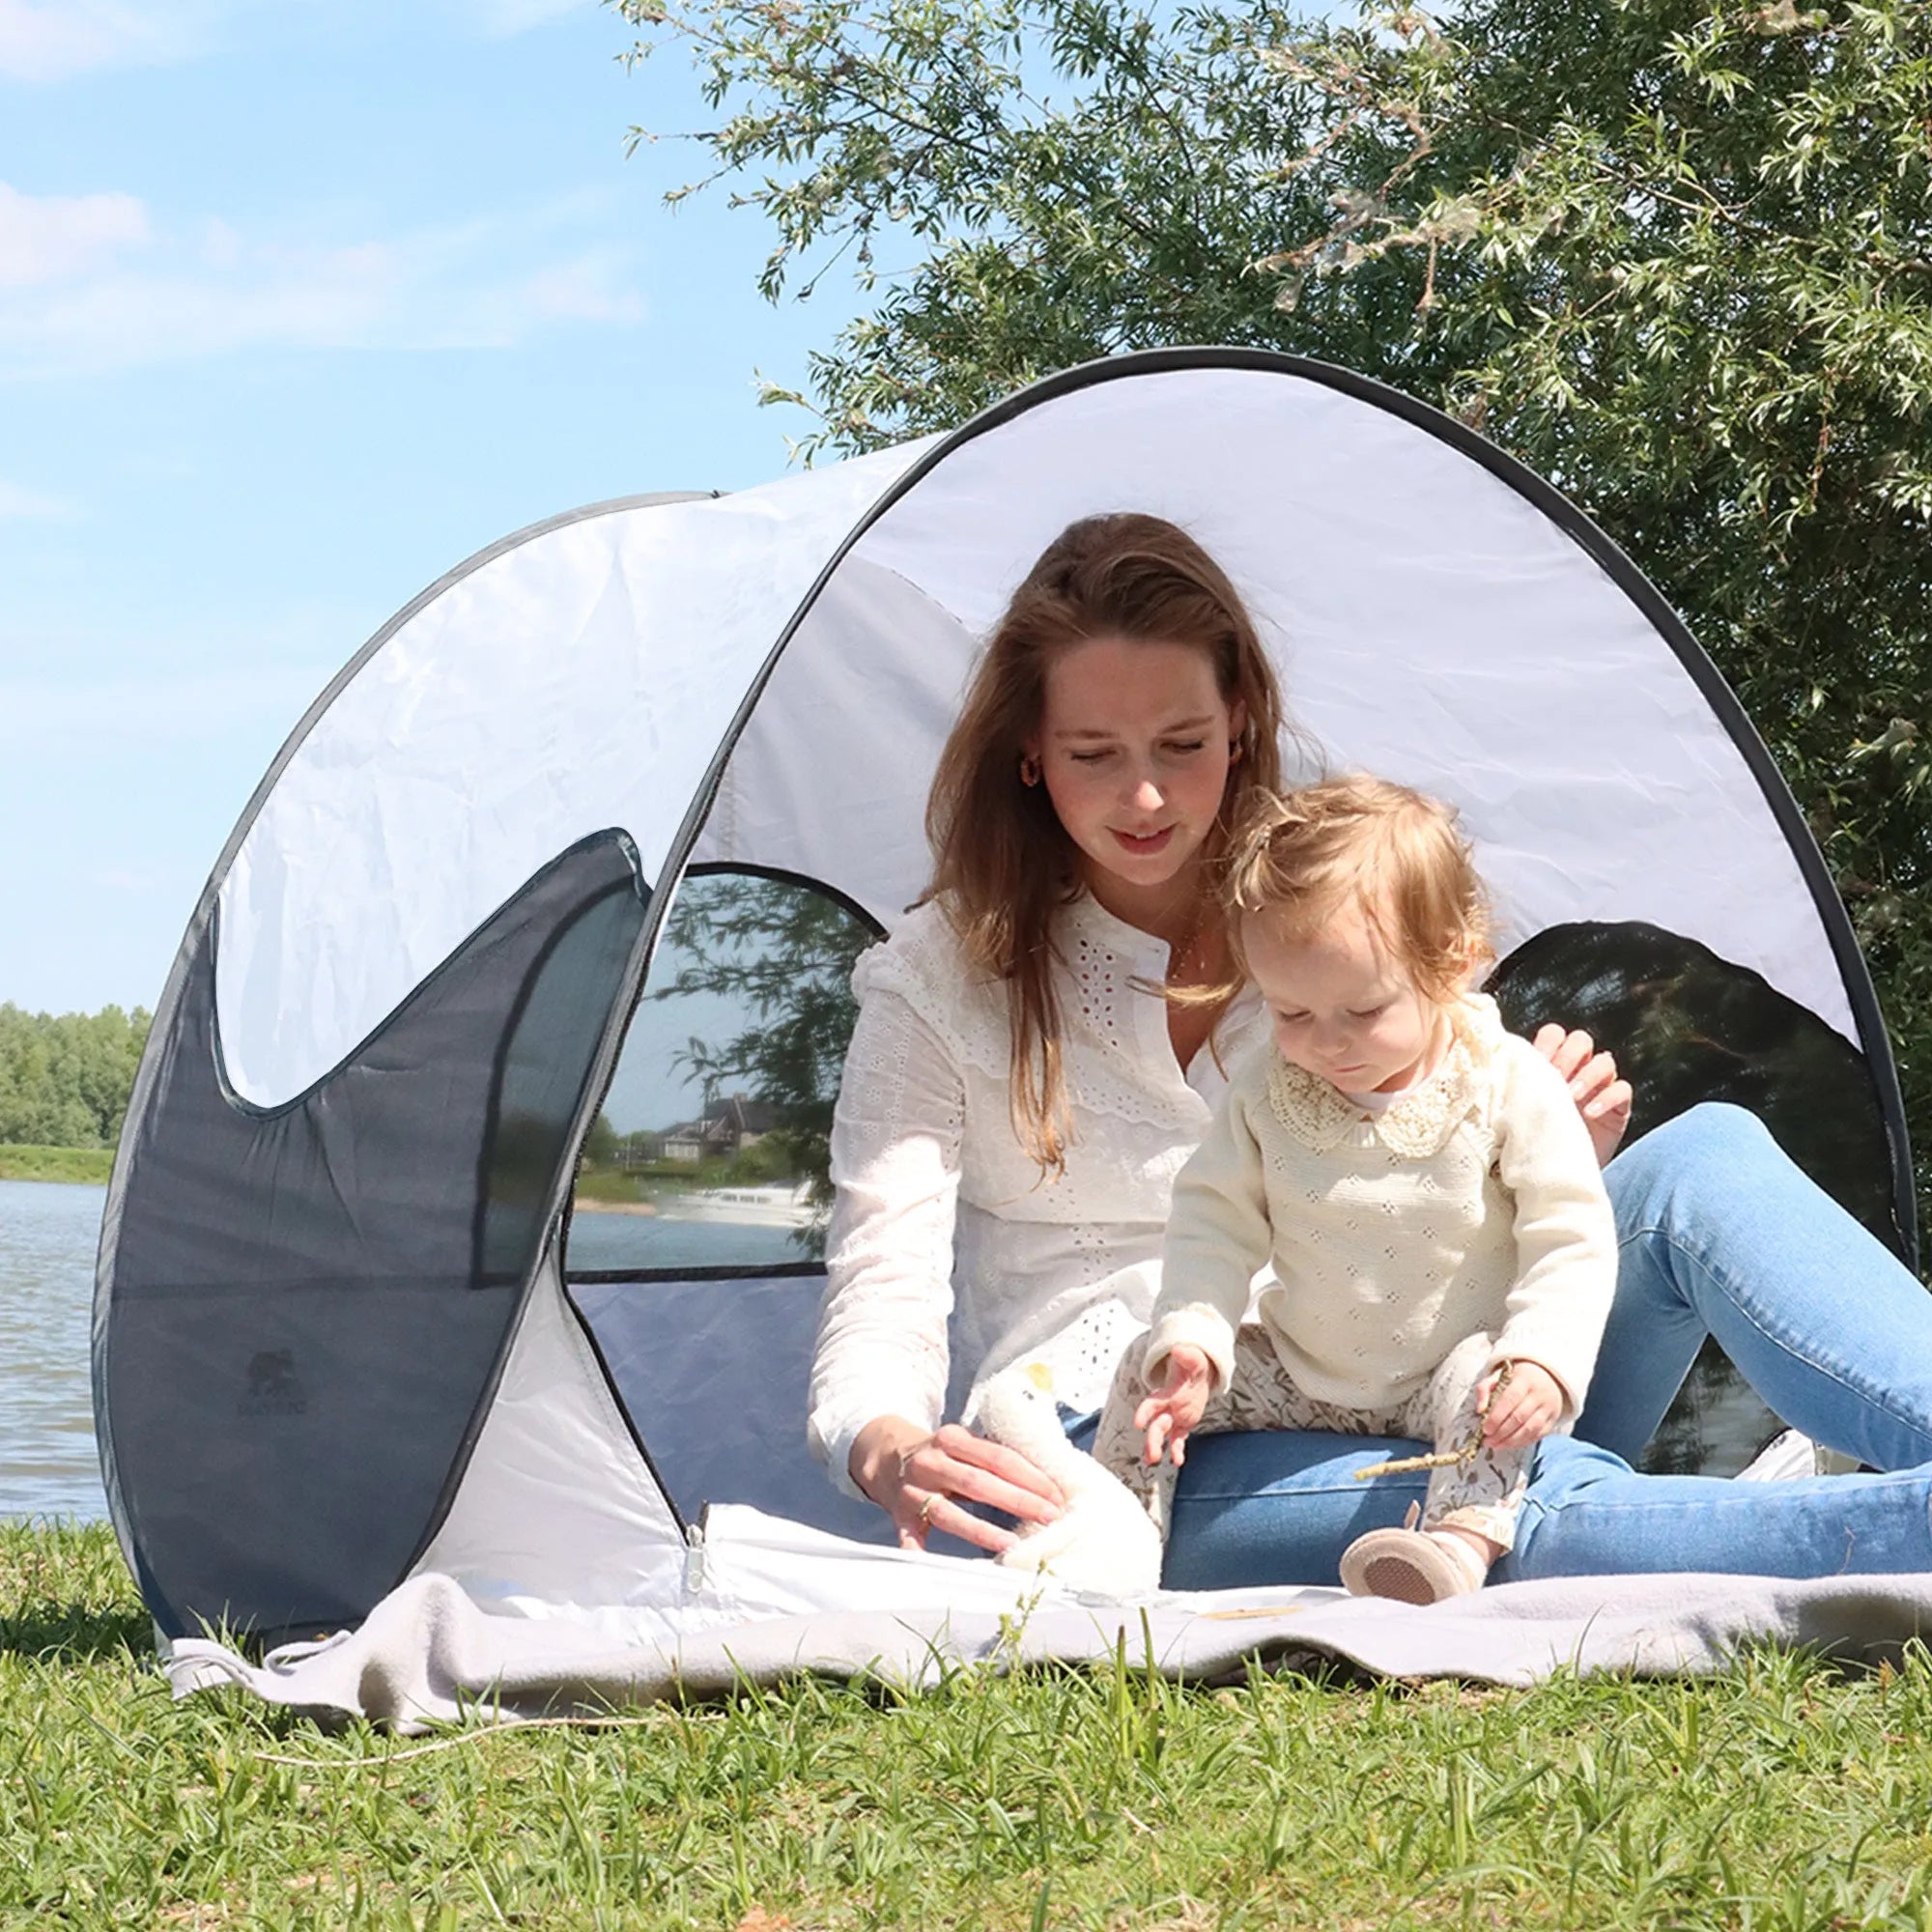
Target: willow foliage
<point>64,1078</point>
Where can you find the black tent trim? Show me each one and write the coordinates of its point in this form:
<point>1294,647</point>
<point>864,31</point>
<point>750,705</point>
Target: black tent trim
<point>779,875</point>
<point>705,1272</point>
<point>1554,505</point>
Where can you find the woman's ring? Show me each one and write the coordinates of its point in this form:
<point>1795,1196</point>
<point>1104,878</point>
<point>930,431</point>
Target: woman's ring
<point>925,1512</point>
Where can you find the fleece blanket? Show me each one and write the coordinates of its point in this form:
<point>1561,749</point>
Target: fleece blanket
<point>429,1654</point>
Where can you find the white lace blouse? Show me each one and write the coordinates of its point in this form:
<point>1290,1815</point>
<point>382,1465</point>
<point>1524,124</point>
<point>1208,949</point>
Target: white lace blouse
<point>942,1216</point>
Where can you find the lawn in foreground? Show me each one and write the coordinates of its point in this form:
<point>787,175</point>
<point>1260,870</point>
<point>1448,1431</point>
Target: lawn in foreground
<point>1786,1795</point>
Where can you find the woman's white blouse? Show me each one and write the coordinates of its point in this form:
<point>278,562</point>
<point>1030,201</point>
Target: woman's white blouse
<point>943,1218</point>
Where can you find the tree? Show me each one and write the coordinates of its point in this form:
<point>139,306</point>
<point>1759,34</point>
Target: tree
<point>601,1143</point>
<point>785,954</point>
<point>1674,254</point>
<point>65,1080</point>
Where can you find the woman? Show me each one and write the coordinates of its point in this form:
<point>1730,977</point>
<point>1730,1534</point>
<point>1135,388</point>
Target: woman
<point>1018,1097</point>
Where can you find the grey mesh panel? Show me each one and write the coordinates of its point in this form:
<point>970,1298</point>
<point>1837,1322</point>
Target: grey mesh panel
<point>1686,1025</point>
<point>713,1373</point>
<point>309,1305</point>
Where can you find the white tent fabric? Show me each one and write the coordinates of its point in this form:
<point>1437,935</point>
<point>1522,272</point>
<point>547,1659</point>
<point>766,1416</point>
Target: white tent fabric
<point>556,1503</point>
<point>1532,691</point>
<point>580,680</point>
<point>584,679</point>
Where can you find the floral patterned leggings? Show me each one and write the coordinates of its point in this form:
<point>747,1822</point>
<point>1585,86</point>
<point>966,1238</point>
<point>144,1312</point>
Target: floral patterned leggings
<point>1483,1493</point>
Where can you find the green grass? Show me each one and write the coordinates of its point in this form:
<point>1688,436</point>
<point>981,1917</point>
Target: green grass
<point>1788,1795</point>
<point>51,1163</point>
<point>610,1184</point>
<point>754,1168</point>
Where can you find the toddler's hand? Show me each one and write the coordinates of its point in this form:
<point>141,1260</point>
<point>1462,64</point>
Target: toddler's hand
<point>1527,1408</point>
<point>1174,1410</point>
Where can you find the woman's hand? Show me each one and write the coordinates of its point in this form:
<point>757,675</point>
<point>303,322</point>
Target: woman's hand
<point>1601,1099</point>
<point>1524,1409</point>
<point>1172,1412</point>
<point>920,1477</point>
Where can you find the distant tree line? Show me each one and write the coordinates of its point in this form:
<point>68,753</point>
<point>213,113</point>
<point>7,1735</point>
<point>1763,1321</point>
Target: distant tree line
<point>64,1078</point>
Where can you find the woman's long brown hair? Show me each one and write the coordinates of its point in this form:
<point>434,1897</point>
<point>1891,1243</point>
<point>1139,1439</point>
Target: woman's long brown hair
<point>1003,864</point>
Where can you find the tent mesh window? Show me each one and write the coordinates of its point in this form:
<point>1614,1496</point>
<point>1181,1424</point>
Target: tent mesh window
<point>699,1209</point>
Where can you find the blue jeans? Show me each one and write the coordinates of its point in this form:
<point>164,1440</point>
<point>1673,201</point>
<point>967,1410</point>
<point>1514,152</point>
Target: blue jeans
<point>1718,1234</point>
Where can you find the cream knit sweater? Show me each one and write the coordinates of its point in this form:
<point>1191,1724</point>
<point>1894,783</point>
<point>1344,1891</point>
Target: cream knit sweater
<point>1473,1205</point>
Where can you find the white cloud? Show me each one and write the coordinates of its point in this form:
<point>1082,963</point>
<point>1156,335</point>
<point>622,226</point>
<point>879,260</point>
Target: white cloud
<point>501,19</point>
<point>221,248</point>
<point>55,238</point>
<point>101,286</point>
<point>586,288</point>
<point>16,501</point>
<point>54,40</point>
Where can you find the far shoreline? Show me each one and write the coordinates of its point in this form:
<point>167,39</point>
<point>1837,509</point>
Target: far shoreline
<point>86,1167</point>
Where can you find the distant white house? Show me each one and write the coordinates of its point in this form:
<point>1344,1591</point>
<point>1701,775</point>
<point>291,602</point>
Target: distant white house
<point>726,1127</point>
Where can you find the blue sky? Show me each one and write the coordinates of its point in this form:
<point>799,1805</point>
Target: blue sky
<point>302,301</point>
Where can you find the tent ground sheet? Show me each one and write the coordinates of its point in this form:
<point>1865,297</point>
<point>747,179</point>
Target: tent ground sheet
<point>430,1653</point>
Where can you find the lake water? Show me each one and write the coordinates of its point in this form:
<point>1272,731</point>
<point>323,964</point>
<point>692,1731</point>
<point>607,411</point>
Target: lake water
<point>659,1241</point>
<point>48,1233</point>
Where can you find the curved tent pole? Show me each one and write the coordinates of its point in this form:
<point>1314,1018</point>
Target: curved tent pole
<point>1616,565</point>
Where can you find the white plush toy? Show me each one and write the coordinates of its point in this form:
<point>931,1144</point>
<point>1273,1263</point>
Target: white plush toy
<point>1105,1543</point>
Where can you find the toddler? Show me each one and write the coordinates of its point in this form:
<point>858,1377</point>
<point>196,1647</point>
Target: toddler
<point>1419,1180</point>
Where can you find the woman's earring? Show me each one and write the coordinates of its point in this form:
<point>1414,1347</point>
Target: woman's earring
<point>1234,750</point>
<point>1029,769</point>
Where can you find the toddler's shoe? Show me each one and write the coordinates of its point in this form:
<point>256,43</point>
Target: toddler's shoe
<point>1410,1566</point>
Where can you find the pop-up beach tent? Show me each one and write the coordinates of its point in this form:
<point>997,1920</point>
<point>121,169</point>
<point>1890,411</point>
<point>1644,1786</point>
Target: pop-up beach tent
<point>337,1345</point>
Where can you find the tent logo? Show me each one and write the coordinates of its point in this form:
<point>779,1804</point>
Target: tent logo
<point>274,1386</point>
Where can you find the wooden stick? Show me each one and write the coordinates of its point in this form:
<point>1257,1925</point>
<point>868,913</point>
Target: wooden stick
<point>1442,1459</point>
<point>1402,1465</point>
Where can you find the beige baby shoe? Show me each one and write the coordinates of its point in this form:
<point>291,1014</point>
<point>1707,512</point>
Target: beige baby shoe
<point>1410,1566</point>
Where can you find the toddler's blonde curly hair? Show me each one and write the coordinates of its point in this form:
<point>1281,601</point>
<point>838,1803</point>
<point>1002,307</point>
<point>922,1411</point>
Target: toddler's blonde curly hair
<point>1297,859</point>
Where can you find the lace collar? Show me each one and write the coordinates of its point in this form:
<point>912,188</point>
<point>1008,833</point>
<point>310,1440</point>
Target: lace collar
<point>1320,1115</point>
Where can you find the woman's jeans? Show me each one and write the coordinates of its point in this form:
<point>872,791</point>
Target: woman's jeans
<point>1718,1234</point>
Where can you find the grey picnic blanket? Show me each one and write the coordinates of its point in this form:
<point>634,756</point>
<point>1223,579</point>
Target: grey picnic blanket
<point>429,1654</point>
